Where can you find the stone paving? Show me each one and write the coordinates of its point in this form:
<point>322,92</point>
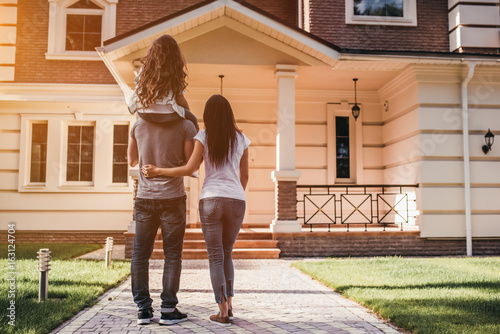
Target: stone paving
<point>270,297</point>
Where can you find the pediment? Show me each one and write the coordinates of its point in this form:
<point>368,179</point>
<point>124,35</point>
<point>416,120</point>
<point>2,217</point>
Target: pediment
<point>219,32</point>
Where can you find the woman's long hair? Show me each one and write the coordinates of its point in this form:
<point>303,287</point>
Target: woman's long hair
<point>163,71</point>
<point>220,129</point>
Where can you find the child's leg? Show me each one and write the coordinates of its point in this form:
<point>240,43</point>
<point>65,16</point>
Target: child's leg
<point>159,118</point>
<point>191,117</point>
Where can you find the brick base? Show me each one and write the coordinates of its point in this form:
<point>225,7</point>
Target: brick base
<point>82,237</point>
<point>286,200</point>
<point>129,245</point>
<point>343,244</point>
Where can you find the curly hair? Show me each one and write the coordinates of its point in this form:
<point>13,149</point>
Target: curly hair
<point>163,70</point>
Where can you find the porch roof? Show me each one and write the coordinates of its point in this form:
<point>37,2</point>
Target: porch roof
<point>213,19</point>
<point>212,14</point>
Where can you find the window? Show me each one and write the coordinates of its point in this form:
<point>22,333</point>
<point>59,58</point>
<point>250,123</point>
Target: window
<point>342,147</point>
<point>76,28</point>
<point>80,158</point>
<point>38,161</point>
<point>120,145</point>
<point>74,153</point>
<point>344,144</point>
<point>392,8</point>
<point>382,12</point>
<point>83,32</point>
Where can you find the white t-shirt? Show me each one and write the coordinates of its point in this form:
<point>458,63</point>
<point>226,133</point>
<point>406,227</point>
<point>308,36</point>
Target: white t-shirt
<point>223,181</point>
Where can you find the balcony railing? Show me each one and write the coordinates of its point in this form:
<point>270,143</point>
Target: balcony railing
<point>355,204</point>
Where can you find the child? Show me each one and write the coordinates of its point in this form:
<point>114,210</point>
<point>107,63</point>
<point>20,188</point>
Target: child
<point>160,84</point>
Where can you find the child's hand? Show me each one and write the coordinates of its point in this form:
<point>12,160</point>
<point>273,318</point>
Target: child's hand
<point>149,170</point>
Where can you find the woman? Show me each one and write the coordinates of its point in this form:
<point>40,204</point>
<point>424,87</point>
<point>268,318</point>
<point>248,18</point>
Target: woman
<point>222,202</point>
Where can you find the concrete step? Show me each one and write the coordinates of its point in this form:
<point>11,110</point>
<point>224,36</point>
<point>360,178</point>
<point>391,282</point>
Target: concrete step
<point>200,244</point>
<point>197,234</point>
<point>241,253</point>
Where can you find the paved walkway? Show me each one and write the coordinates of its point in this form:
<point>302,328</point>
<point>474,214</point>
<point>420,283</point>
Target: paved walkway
<point>270,297</point>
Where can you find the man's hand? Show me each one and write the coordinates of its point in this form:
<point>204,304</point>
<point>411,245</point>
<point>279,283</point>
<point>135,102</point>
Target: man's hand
<point>150,170</point>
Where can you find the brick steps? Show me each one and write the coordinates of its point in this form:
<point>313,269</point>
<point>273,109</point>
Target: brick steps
<point>200,244</point>
<point>246,234</point>
<point>250,244</point>
<point>238,253</point>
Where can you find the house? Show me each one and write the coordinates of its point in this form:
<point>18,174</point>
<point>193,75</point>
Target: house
<point>428,90</point>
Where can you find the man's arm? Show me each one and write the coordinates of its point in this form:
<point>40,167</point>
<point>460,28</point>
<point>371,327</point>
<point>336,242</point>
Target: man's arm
<point>132,153</point>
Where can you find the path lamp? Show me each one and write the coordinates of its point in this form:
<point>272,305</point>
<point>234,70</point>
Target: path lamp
<point>109,251</point>
<point>355,109</point>
<point>43,268</point>
<point>489,138</point>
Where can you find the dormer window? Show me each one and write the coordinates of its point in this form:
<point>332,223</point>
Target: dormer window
<point>77,27</point>
<point>83,26</point>
<point>382,12</point>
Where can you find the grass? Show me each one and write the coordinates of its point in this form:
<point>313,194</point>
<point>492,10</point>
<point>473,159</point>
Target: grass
<point>73,285</point>
<point>431,295</point>
<point>59,251</point>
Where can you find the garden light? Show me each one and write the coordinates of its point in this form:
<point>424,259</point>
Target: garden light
<point>109,251</point>
<point>43,268</point>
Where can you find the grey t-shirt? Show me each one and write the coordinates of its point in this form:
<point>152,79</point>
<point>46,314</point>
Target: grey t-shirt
<point>162,145</point>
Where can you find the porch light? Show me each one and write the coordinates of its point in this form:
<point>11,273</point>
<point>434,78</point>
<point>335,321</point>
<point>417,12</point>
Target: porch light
<point>489,138</point>
<point>221,76</point>
<point>355,109</point>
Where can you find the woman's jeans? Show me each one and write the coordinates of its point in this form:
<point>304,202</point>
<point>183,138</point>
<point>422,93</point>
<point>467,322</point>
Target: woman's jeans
<point>221,220</point>
<point>150,214</point>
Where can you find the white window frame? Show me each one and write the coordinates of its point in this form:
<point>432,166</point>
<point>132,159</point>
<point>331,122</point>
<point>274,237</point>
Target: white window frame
<point>112,144</point>
<point>57,151</point>
<point>64,160</point>
<point>355,144</point>
<point>409,19</point>
<point>57,27</point>
<point>29,137</point>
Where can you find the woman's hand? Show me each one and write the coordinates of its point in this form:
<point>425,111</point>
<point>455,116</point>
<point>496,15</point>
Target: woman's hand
<point>150,170</point>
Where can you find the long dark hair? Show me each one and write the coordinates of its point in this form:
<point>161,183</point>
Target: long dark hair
<point>221,130</point>
<point>163,71</point>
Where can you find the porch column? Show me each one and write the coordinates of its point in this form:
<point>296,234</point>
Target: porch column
<point>285,176</point>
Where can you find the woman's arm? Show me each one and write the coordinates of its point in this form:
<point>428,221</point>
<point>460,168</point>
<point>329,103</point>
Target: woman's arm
<point>132,153</point>
<point>188,149</point>
<point>244,169</point>
<point>192,165</point>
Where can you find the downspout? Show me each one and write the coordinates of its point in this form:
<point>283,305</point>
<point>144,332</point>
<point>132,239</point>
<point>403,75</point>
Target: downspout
<point>465,126</point>
<point>300,14</point>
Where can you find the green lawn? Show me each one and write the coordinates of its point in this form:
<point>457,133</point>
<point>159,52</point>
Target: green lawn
<point>422,295</point>
<point>58,251</point>
<point>73,285</point>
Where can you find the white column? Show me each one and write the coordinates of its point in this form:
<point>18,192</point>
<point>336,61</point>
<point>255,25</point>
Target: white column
<point>285,176</point>
<point>194,198</point>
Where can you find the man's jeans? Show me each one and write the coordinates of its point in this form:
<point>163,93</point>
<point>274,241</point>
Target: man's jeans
<point>221,220</point>
<point>170,215</point>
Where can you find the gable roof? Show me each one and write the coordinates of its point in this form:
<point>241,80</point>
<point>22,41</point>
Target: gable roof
<point>236,13</point>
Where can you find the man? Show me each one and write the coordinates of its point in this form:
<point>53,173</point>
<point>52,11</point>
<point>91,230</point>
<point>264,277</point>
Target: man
<point>160,202</point>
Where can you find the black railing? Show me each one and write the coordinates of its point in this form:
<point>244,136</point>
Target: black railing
<point>357,204</point>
